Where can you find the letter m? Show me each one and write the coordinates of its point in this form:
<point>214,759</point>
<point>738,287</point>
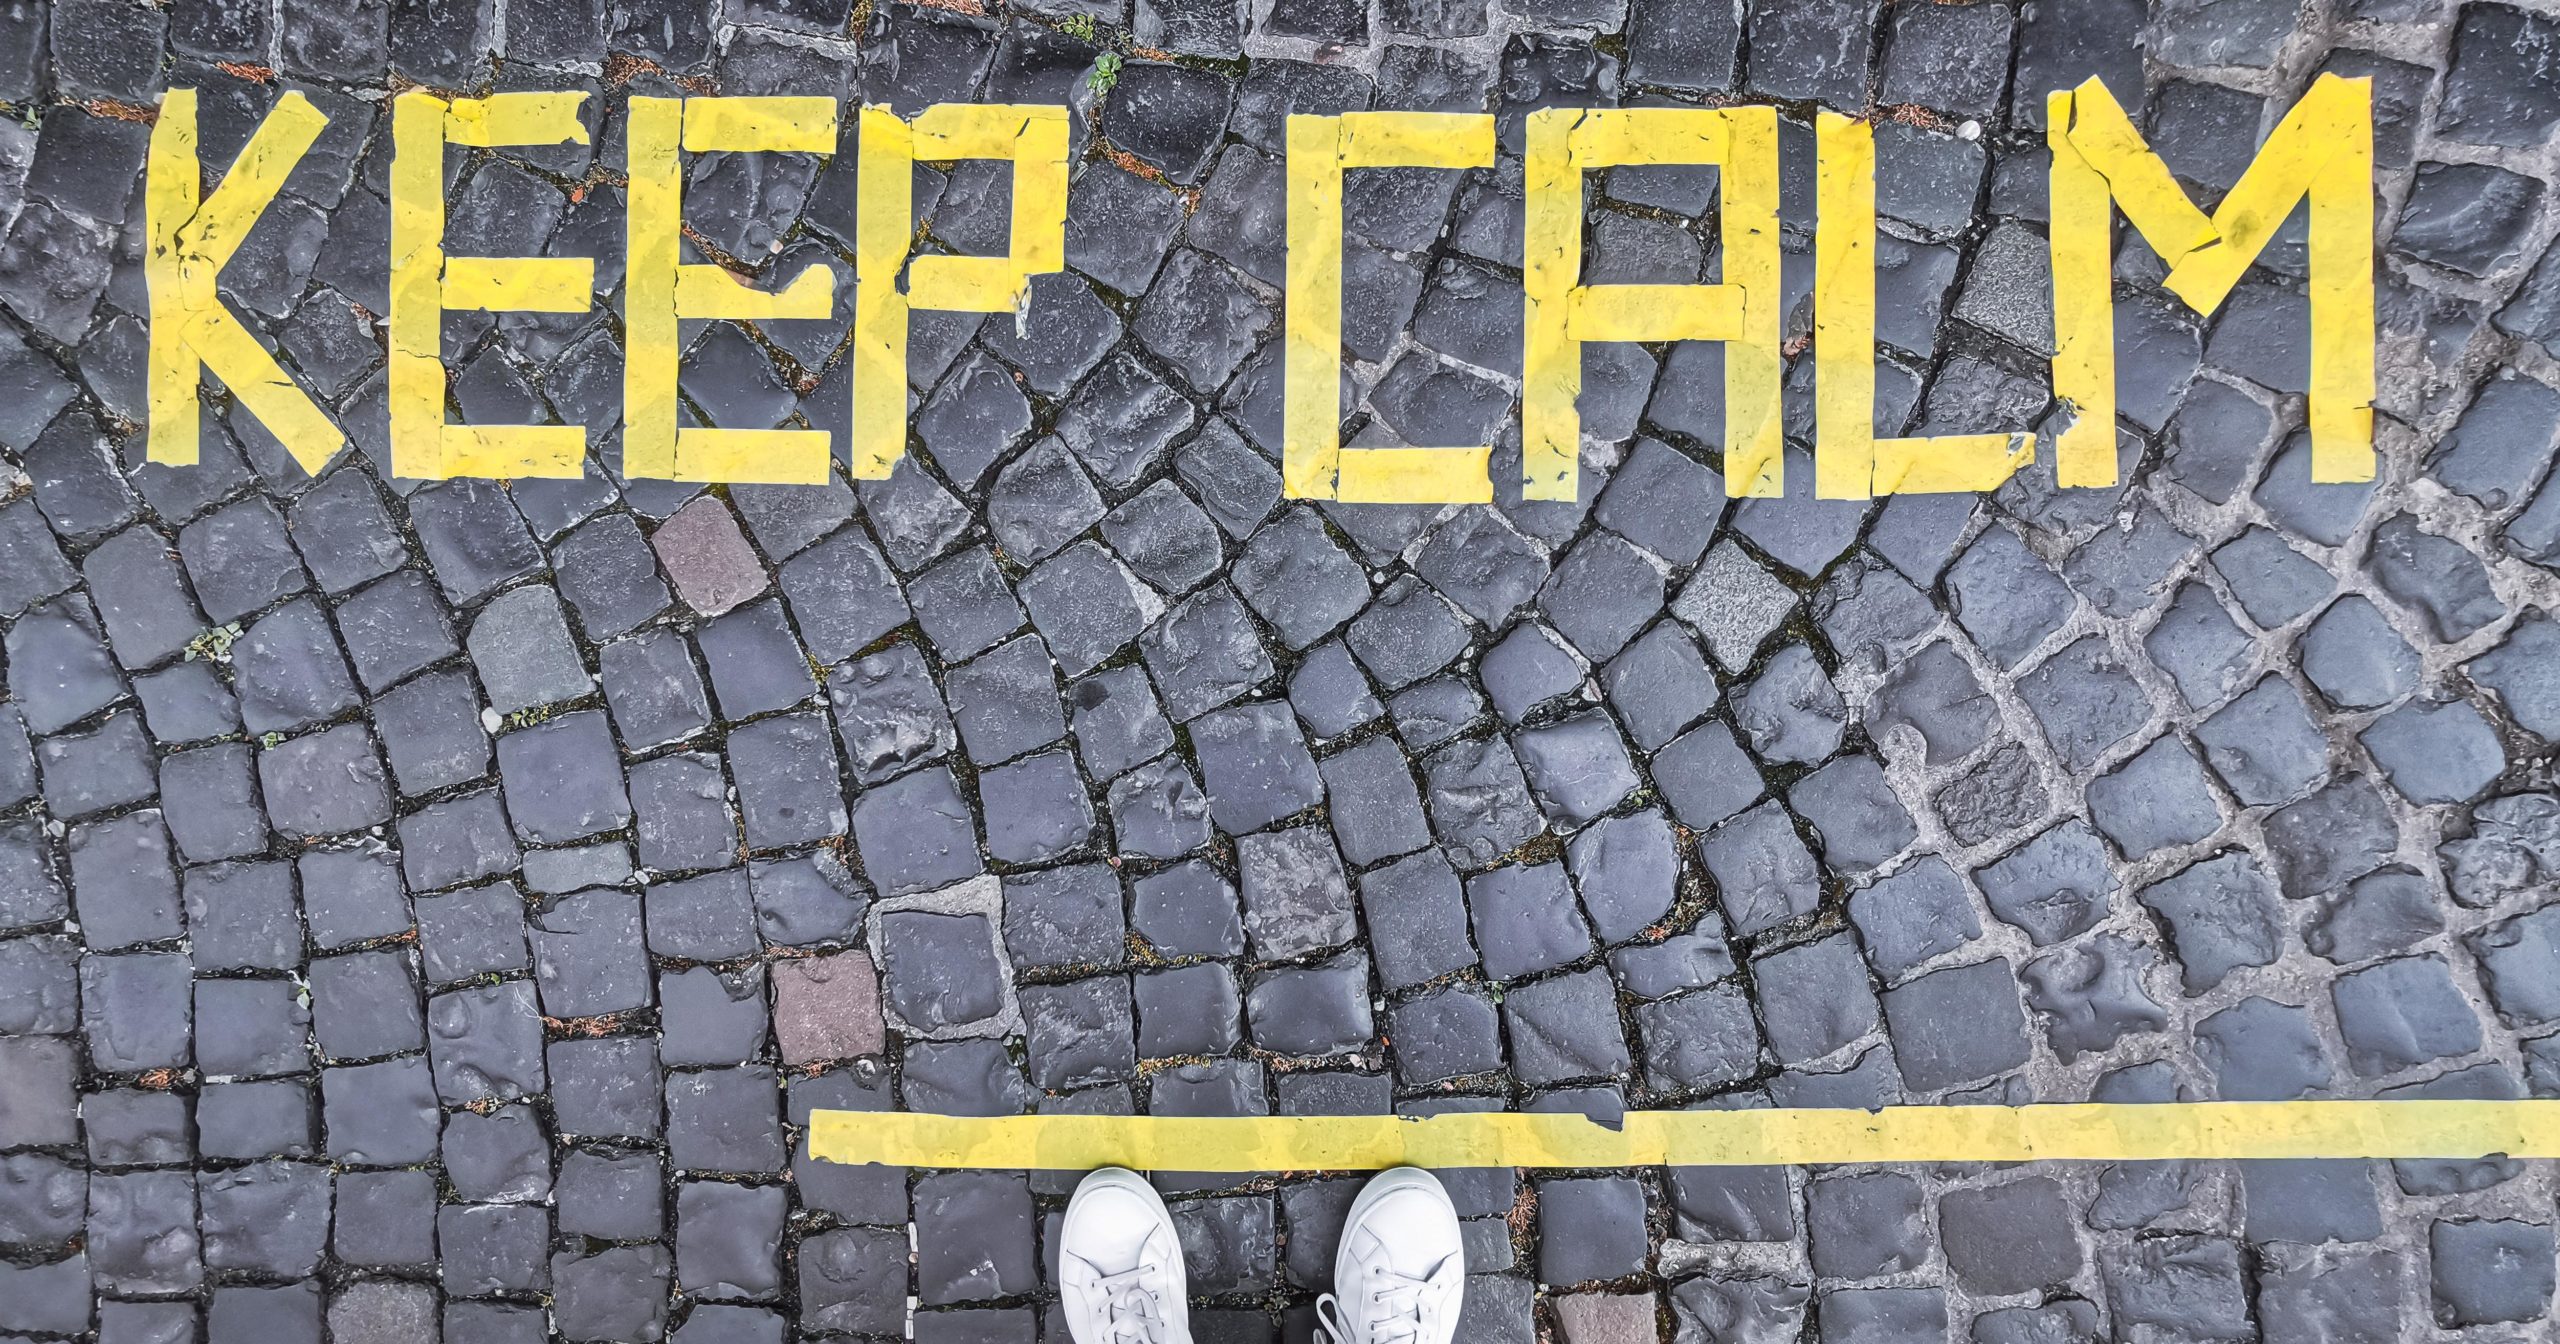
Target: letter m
<point>2322,152</point>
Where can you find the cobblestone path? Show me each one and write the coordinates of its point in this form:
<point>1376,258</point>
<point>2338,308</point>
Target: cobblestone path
<point>432,910</point>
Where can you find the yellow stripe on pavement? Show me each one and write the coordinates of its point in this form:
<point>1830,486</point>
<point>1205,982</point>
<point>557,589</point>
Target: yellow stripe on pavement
<point>2082,1133</point>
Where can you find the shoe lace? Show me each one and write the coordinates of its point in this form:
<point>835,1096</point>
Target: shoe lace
<point>1393,1315</point>
<point>1131,1311</point>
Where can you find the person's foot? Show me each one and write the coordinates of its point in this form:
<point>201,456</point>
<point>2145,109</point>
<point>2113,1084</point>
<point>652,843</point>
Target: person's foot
<point>1121,1279</point>
<point>1402,1270</point>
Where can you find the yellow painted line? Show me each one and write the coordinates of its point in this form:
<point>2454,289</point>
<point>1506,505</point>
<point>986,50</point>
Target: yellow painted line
<point>2079,1133</point>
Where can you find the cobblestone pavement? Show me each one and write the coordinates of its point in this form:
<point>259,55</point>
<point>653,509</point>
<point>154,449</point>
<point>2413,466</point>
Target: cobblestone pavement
<point>436,907</point>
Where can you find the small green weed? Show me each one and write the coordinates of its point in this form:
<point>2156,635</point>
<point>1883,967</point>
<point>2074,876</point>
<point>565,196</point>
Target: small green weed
<point>214,644</point>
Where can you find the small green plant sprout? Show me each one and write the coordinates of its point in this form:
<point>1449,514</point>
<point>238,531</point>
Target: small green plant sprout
<point>1106,72</point>
<point>214,644</point>
<point>1079,27</point>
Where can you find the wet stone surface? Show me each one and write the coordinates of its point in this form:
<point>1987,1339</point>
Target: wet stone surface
<point>434,910</point>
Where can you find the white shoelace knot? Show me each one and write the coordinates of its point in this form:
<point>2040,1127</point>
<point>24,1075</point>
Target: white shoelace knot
<point>1394,1310</point>
<point>1133,1305</point>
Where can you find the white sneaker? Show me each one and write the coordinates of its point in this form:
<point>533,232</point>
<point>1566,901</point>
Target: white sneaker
<point>1402,1270</point>
<point>1121,1279</point>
